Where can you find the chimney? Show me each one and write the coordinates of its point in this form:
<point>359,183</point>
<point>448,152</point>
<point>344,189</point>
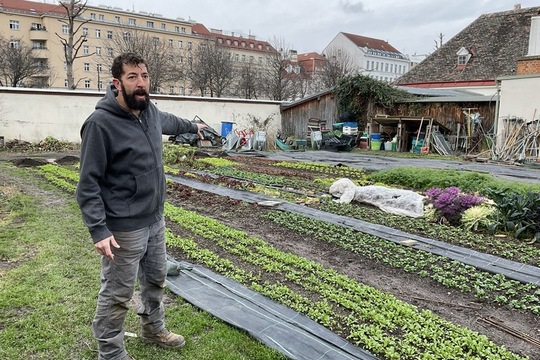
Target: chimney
<point>534,37</point>
<point>517,7</point>
<point>530,64</point>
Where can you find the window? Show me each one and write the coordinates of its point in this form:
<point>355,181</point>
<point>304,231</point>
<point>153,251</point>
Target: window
<point>109,34</point>
<point>93,16</point>
<point>109,52</point>
<point>38,45</point>
<point>98,33</point>
<point>463,56</point>
<point>177,29</point>
<point>85,31</point>
<point>65,29</point>
<point>117,19</point>
<point>100,84</point>
<point>14,24</point>
<point>86,67</point>
<point>99,68</point>
<point>14,44</point>
<point>132,22</point>
<point>243,58</point>
<point>155,41</point>
<point>171,89</point>
<point>189,45</point>
<point>86,49</point>
<point>180,44</point>
<point>36,26</point>
<point>228,41</point>
<point>236,57</point>
<point>171,43</point>
<point>87,84</point>
<point>101,17</point>
<point>163,26</point>
<point>127,36</point>
<point>183,30</point>
<point>150,24</point>
<point>65,83</point>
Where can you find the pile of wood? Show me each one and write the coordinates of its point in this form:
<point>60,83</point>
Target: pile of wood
<point>520,140</point>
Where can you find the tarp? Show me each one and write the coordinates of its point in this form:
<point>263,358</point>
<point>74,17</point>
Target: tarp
<point>279,327</point>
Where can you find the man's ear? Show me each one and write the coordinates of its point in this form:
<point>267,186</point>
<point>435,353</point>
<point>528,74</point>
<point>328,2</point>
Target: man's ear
<point>117,86</point>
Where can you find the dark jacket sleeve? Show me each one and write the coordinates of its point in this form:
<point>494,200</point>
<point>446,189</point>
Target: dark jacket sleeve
<point>174,125</point>
<point>93,166</point>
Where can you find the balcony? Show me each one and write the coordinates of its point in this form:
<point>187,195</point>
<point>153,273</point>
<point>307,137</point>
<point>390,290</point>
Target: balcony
<point>39,34</point>
<point>40,53</point>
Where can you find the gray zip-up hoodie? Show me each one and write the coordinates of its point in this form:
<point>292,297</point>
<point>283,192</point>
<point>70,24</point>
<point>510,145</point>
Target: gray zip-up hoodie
<point>122,183</point>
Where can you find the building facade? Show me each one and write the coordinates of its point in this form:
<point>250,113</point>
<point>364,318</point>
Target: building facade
<point>45,28</point>
<point>372,57</point>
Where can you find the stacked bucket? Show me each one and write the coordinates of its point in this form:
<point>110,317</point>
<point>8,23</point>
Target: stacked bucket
<point>375,141</point>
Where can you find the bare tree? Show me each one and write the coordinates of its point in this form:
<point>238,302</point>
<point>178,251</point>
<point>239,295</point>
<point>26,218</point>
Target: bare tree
<point>248,85</point>
<point>338,64</point>
<point>439,41</point>
<point>212,68</point>
<point>276,76</point>
<point>164,61</point>
<point>74,42</point>
<point>17,64</point>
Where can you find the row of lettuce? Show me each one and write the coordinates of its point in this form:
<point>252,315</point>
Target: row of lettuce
<point>375,321</point>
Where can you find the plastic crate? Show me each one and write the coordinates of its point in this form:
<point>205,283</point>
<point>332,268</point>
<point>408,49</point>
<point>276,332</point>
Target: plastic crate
<point>347,130</point>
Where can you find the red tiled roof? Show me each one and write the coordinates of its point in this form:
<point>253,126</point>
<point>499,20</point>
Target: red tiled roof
<point>310,56</point>
<point>200,29</point>
<point>443,84</point>
<point>496,41</point>
<point>371,43</point>
<point>38,7</point>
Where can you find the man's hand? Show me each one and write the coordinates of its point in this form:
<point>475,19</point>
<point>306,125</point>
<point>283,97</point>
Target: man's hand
<point>199,128</point>
<point>103,247</point>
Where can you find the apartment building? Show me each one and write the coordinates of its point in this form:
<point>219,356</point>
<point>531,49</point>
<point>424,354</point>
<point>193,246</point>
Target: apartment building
<point>42,26</point>
<point>373,57</point>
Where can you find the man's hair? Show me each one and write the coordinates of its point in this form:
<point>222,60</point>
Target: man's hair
<point>117,68</point>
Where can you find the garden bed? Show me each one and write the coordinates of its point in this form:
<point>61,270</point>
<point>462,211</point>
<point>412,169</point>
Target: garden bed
<point>301,266</point>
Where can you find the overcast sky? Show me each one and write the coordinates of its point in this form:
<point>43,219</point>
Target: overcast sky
<point>411,26</point>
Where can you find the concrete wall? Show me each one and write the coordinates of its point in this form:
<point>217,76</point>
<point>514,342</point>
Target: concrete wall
<point>34,114</point>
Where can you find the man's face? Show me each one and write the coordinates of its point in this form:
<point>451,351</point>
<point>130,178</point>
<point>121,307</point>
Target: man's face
<point>134,85</point>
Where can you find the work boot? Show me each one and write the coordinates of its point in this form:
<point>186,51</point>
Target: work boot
<point>165,339</point>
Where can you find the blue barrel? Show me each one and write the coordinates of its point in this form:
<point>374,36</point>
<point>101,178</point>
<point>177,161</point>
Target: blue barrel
<point>226,127</point>
<point>375,137</point>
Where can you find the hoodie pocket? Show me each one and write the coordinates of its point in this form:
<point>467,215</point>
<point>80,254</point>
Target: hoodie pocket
<point>146,197</point>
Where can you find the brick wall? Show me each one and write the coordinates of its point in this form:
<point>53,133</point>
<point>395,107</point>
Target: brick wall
<point>528,65</point>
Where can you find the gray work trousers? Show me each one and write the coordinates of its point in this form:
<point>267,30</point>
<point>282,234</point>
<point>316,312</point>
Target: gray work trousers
<point>141,255</point>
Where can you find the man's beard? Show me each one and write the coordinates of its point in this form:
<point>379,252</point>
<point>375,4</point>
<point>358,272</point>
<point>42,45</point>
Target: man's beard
<point>131,100</point>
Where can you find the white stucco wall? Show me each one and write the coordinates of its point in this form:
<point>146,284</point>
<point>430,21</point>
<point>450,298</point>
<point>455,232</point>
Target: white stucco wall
<point>32,115</point>
<point>519,98</point>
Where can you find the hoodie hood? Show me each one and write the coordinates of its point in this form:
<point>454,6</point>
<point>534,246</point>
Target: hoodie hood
<point>109,103</point>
